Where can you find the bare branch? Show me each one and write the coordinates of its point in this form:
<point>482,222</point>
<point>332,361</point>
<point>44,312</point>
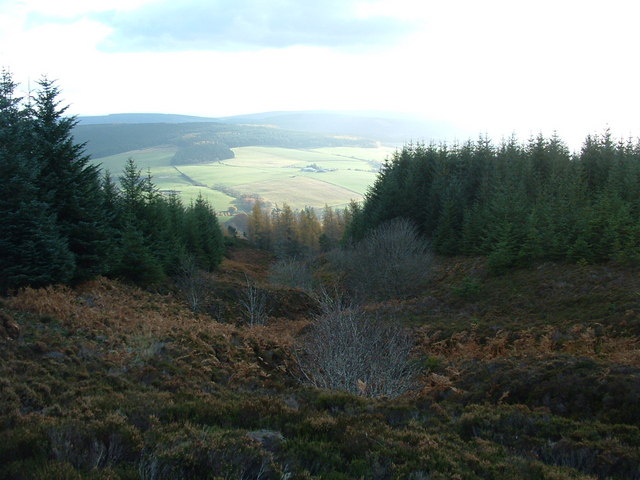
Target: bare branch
<point>254,302</point>
<point>346,349</point>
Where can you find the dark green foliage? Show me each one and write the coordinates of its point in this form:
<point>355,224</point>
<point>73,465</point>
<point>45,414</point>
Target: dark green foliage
<point>517,204</point>
<point>203,234</point>
<point>35,253</point>
<point>62,222</point>
<point>469,288</point>
<point>155,232</point>
<point>34,248</point>
<point>134,260</point>
<point>201,153</point>
<point>110,139</point>
<point>68,182</point>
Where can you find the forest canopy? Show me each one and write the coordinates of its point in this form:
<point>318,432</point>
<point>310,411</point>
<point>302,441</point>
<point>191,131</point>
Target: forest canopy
<point>66,221</point>
<point>516,203</point>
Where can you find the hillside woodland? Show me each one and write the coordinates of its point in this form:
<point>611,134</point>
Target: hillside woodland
<point>199,141</point>
<point>477,317</point>
<point>65,221</point>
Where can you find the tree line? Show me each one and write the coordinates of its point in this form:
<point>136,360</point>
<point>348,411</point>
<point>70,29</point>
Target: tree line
<point>296,233</point>
<point>516,203</point>
<point>111,139</point>
<point>66,221</point>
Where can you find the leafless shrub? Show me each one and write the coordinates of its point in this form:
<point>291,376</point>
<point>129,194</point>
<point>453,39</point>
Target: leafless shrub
<point>254,303</point>
<point>192,282</point>
<point>84,450</point>
<point>346,349</point>
<point>333,301</point>
<point>393,261</point>
<point>291,272</point>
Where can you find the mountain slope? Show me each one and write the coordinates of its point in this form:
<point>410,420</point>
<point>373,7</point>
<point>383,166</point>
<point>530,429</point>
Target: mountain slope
<point>126,118</point>
<point>320,126</point>
<point>103,139</point>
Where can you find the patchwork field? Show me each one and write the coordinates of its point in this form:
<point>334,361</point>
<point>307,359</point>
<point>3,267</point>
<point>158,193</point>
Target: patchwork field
<point>275,174</point>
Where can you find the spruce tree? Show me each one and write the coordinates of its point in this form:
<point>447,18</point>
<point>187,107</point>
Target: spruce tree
<point>204,236</point>
<point>68,182</point>
<point>34,252</point>
<point>133,260</point>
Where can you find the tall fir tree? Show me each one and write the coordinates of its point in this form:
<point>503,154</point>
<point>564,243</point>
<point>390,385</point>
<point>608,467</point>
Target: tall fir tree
<point>34,252</point>
<point>204,236</point>
<point>68,182</point>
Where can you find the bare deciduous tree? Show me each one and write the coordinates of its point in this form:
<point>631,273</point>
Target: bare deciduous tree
<point>254,302</point>
<point>192,282</point>
<point>392,261</point>
<point>291,272</point>
<point>346,349</point>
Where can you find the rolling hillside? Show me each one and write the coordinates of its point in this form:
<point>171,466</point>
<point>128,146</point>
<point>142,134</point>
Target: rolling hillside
<point>262,155</point>
<point>103,139</point>
<point>532,375</point>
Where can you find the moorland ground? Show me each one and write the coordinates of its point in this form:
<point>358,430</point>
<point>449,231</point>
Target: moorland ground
<point>530,375</point>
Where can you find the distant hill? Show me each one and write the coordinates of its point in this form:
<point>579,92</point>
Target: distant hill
<point>103,139</point>
<point>385,127</point>
<point>141,118</point>
<point>117,133</point>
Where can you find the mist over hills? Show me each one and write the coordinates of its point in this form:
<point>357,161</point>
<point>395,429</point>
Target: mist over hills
<point>385,127</point>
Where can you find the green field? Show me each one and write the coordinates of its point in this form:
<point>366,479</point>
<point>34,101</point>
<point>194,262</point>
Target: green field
<point>273,173</point>
<point>150,158</point>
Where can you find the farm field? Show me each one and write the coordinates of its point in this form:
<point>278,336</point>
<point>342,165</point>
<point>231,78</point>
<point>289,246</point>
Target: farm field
<point>273,173</point>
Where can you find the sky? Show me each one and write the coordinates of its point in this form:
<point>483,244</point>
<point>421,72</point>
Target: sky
<point>493,66</point>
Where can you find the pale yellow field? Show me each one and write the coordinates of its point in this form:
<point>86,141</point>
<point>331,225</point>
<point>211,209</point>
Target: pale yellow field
<point>273,173</point>
<point>299,191</point>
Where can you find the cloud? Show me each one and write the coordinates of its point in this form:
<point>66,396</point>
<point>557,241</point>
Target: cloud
<point>247,24</point>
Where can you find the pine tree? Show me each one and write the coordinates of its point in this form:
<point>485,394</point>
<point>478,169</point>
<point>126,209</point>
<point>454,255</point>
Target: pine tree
<point>355,223</point>
<point>134,261</point>
<point>134,190</point>
<point>68,182</point>
<point>446,238</point>
<point>204,236</point>
<point>34,252</point>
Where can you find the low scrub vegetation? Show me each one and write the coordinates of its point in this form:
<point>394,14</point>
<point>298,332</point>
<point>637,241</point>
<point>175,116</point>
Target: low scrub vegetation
<point>392,261</point>
<point>346,349</point>
<point>105,380</point>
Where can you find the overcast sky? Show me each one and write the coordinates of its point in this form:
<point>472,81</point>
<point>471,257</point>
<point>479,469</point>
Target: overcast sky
<point>497,66</point>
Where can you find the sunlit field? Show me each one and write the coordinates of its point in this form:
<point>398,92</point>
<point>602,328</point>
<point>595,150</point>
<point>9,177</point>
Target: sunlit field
<point>275,174</point>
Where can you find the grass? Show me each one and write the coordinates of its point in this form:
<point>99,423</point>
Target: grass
<point>300,191</point>
<point>223,174</point>
<point>273,173</point>
<point>355,181</point>
<point>369,154</point>
<point>151,158</point>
